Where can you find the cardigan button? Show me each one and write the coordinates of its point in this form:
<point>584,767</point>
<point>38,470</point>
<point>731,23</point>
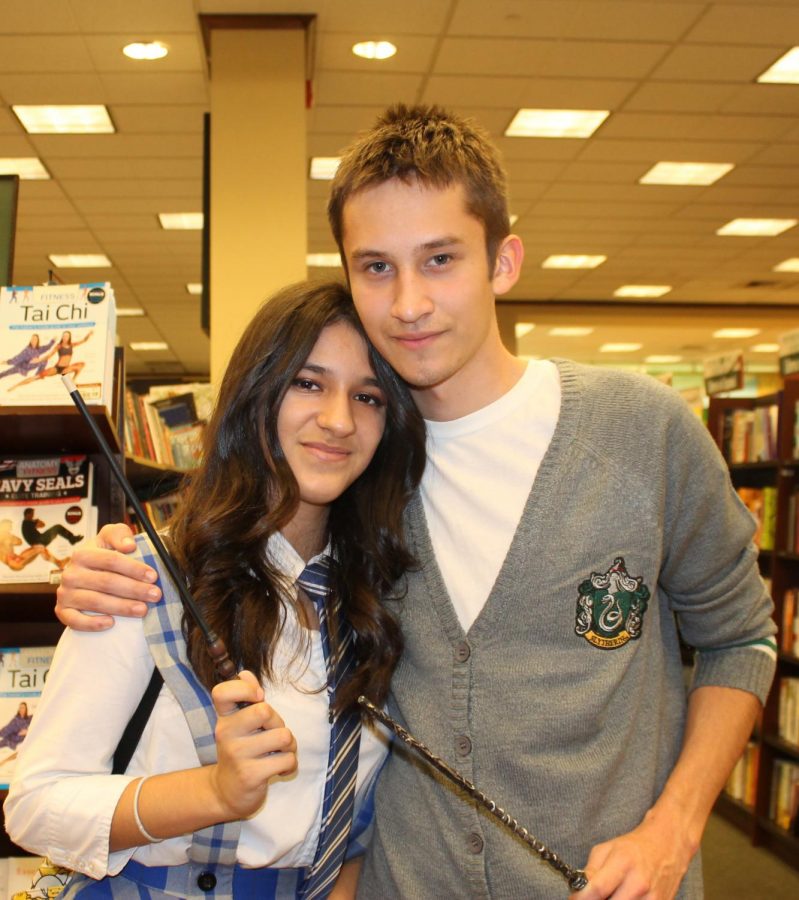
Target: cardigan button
<point>206,881</point>
<point>462,651</point>
<point>475,843</point>
<point>463,745</point>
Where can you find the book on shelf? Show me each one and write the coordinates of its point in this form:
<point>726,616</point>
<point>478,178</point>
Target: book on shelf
<point>788,710</point>
<point>750,435</point>
<point>166,425</point>
<point>23,672</point>
<point>789,626</point>
<point>742,783</point>
<point>51,330</point>
<point>46,511</point>
<point>159,511</point>
<point>784,798</point>
<point>762,504</point>
<point>30,878</point>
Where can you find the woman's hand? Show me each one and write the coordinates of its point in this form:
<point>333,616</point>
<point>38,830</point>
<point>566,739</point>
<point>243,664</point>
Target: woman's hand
<point>253,745</point>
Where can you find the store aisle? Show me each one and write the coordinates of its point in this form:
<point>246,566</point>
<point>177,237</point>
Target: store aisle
<point>735,870</point>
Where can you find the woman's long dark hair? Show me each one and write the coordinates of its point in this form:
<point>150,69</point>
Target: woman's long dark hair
<point>244,491</point>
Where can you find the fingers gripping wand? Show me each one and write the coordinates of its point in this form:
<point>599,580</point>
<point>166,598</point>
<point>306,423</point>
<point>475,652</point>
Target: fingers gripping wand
<point>216,648</point>
<point>576,878</point>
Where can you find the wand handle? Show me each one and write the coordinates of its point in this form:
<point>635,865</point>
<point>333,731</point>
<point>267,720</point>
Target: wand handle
<point>216,648</point>
<point>576,878</point>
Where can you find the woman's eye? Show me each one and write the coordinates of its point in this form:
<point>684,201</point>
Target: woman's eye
<point>304,384</point>
<point>370,399</point>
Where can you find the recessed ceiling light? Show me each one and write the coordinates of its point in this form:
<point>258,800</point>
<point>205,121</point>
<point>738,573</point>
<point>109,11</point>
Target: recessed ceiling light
<point>146,50</point>
<point>128,312</point>
<point>570,331</point>
<point>572,262</point>
<point>513,219</point>
<point>642,290</point>
<point>148,345</point>
<point>374,49</point>
<point>663,359</point>
<point>80,260</point>
<point>556,123</point>
<point>520,329</point>
<point>788,265</point>
<point>195,288</point>
<point>765,348</point>
<point>64,119</point>
<point>323,260</point>
<point>736,332</point>
<point>619,348</point>
<point>756,227</point>
<point>692,173</point>
<point>784,71</point>
<point>29,168</point>
<point>181,221</point>
<point>323,168</point>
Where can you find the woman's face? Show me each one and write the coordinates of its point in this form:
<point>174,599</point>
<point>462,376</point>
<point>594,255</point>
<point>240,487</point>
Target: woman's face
<point>66,337</point>
<point>332,418</point>
<point>34,340</point>
<point>23,709</point>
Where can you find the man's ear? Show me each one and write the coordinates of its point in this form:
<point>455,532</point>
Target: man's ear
<point>508,266</point>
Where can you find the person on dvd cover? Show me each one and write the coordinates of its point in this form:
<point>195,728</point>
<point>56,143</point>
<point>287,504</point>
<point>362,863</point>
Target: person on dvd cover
<point>31,356</point>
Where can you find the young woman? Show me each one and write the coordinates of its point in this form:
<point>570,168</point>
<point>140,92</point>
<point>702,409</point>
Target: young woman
<point>64,364</point>
<point>313,450</point>
<point>29,357</point>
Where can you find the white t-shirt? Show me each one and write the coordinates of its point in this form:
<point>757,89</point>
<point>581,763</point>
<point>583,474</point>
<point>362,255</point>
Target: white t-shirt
<point>480,470</point>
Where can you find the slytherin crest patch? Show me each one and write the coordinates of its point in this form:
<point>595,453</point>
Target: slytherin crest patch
<point>611,607</point>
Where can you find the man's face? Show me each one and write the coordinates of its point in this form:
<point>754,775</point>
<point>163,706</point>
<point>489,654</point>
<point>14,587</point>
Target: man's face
<point>420,279</point>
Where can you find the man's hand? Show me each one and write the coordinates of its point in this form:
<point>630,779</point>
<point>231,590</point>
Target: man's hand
<point>101,579</point>
<point>648,862</point>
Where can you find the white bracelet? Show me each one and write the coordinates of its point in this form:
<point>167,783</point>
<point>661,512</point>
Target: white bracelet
<point>144,832</point>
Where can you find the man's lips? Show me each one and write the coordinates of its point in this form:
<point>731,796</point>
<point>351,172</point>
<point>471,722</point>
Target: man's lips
<point>416,339</point>
<point>326,452</point>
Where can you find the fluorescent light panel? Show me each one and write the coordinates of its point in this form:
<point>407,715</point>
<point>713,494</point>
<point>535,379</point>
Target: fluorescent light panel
<point>765,348</point>
<point>374,49</point>
<point>195,288</point>
<point>691,173</point>
<point>570,331</point>
<point>148,345</point>
<point>323,260</point>
<point>520,329</point>
<point>129,312</point>
<point>784,71</point>
<point>29,168</point>
<point>145,50</point>
<point>788,265</point>
<point>620,348</point>
<point>192,221</point>
<point>735,333</point>
<point>756,227</point>
<point>663,359</point>
<point>642,290</point>
<point>572,262</point>
<point>556,123</point>
<point>64,119</point>
<point>80,260</point>
<point>513,218</point>
<point>323,168</point>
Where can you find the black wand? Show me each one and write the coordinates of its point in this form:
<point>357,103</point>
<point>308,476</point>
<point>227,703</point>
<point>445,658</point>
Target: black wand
<point>576,878</point>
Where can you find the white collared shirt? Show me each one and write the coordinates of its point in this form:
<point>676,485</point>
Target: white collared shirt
<point>62,798</point>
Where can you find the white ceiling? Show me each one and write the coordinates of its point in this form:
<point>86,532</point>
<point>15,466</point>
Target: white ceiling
<point>677,75</point>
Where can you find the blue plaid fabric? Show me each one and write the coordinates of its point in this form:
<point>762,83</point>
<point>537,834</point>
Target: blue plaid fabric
<point>211,873</point>
<point>345,739</point>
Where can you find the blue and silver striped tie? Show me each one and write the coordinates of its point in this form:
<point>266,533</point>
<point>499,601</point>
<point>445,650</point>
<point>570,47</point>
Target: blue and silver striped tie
<point>345,739</point>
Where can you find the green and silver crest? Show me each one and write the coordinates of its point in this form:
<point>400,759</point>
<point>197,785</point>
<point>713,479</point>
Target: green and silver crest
<point>611,607</point>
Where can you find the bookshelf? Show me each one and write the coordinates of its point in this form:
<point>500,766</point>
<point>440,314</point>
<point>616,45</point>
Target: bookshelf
<point>769,462</point>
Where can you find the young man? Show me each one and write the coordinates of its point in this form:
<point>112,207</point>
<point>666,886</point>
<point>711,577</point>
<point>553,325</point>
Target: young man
<point>568,519</point>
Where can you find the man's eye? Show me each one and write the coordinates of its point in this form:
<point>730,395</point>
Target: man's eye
<point>378,267</point>
<point>441,259</point>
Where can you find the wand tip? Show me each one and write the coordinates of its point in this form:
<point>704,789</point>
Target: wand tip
<point>68,384</point>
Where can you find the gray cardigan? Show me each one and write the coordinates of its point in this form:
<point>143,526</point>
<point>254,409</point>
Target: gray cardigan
<point>565,701</point>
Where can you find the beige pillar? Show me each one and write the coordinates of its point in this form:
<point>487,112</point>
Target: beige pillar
<point>258,176</point>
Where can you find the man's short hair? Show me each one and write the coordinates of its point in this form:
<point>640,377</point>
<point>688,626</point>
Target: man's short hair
<point>434,147</point>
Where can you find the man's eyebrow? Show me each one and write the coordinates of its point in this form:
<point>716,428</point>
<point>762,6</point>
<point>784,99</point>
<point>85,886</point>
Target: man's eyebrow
<point>436,244</point>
